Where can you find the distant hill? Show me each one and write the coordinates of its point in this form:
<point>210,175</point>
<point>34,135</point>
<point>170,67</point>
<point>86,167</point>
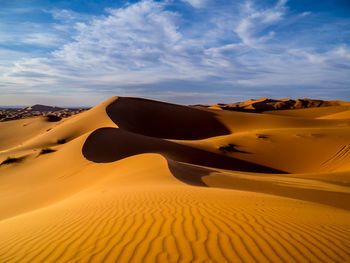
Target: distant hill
<point>39,107</point>
<point>53,113</point>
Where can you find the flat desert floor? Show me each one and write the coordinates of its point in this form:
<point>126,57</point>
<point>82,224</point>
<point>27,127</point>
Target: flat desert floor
<point>135,180</point>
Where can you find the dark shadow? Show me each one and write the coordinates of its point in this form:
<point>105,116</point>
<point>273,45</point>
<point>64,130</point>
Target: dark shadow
<point>10,160</point>
<point>193,175</point>
<point>187,173</point>
<point>326,197</point>
<point>164,120</point>
<point>243,110</point>
<point>112,144</point>
<point>61,141</point>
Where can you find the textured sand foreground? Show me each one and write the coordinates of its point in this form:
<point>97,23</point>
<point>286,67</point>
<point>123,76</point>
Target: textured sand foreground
<point>133,180</point>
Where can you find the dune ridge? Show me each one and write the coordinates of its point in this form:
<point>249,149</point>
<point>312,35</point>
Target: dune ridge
<point>135,180</point>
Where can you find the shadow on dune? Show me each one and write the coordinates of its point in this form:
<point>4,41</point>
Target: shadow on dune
<point>164,120</point>
<point>202,176</point>
<point>301,190</point>
<point>112,144</point>
<point>188,173</point>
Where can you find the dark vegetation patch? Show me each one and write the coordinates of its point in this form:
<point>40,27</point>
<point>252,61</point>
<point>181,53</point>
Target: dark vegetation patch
<point>230,148</point>
<point>10,160</point>
<point>46,151</point>
<point>61,141</point>
<point>262,136</point>
<point>53,118</point>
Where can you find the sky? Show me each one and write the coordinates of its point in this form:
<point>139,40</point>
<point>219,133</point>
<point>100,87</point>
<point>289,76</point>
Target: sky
<point>81,52</point>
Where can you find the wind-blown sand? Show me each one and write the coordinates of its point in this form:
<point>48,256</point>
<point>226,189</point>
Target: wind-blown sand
<point>134,180</point>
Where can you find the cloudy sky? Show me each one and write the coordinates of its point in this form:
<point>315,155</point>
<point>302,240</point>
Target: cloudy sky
<point>82,52</point>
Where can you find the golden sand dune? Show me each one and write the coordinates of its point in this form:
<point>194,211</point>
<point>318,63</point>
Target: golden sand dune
<point>135,180</point>
<point>266,104</point>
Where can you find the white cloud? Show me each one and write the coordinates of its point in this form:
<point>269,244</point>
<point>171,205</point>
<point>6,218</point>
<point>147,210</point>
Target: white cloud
<point>26,33</point>
<point>145,44</point>
<point>67,16</point>
<point>253,22</point>
<point>343,52</point>
<point>43,39</point>
<point>305,14</point>
<point>128,38</point>
<point>309,56</point>
<point>196,3</point>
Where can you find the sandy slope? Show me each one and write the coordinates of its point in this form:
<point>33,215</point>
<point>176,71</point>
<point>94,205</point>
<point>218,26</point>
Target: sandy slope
<point>14,133</point>
<point>133,180</point>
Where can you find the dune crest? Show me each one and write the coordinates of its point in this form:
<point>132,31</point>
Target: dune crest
<point>135,180</point>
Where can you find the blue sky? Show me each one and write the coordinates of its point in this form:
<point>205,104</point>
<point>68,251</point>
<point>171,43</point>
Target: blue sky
<point>189,51</point>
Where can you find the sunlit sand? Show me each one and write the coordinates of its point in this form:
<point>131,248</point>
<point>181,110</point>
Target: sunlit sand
<point>135,180</point>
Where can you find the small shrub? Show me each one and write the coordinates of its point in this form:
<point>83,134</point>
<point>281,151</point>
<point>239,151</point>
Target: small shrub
<point>10,160</point>
<point>46,151</point>
<point>262,136</point>
<point>53,118</point>
<point>230,148</point>
<point>61,141</point>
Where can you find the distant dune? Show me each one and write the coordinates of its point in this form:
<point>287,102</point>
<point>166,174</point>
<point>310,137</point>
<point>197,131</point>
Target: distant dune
<point>53,113</point>
<point>136,180</point>
<point>265,104</point>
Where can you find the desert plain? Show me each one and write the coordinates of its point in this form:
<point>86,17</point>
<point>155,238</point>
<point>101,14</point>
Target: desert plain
<point>136,180</point>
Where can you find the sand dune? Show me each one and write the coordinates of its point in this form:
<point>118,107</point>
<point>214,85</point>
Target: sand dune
<point>134,180</point>
<point>164,120</point>
<point>266,104</point>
